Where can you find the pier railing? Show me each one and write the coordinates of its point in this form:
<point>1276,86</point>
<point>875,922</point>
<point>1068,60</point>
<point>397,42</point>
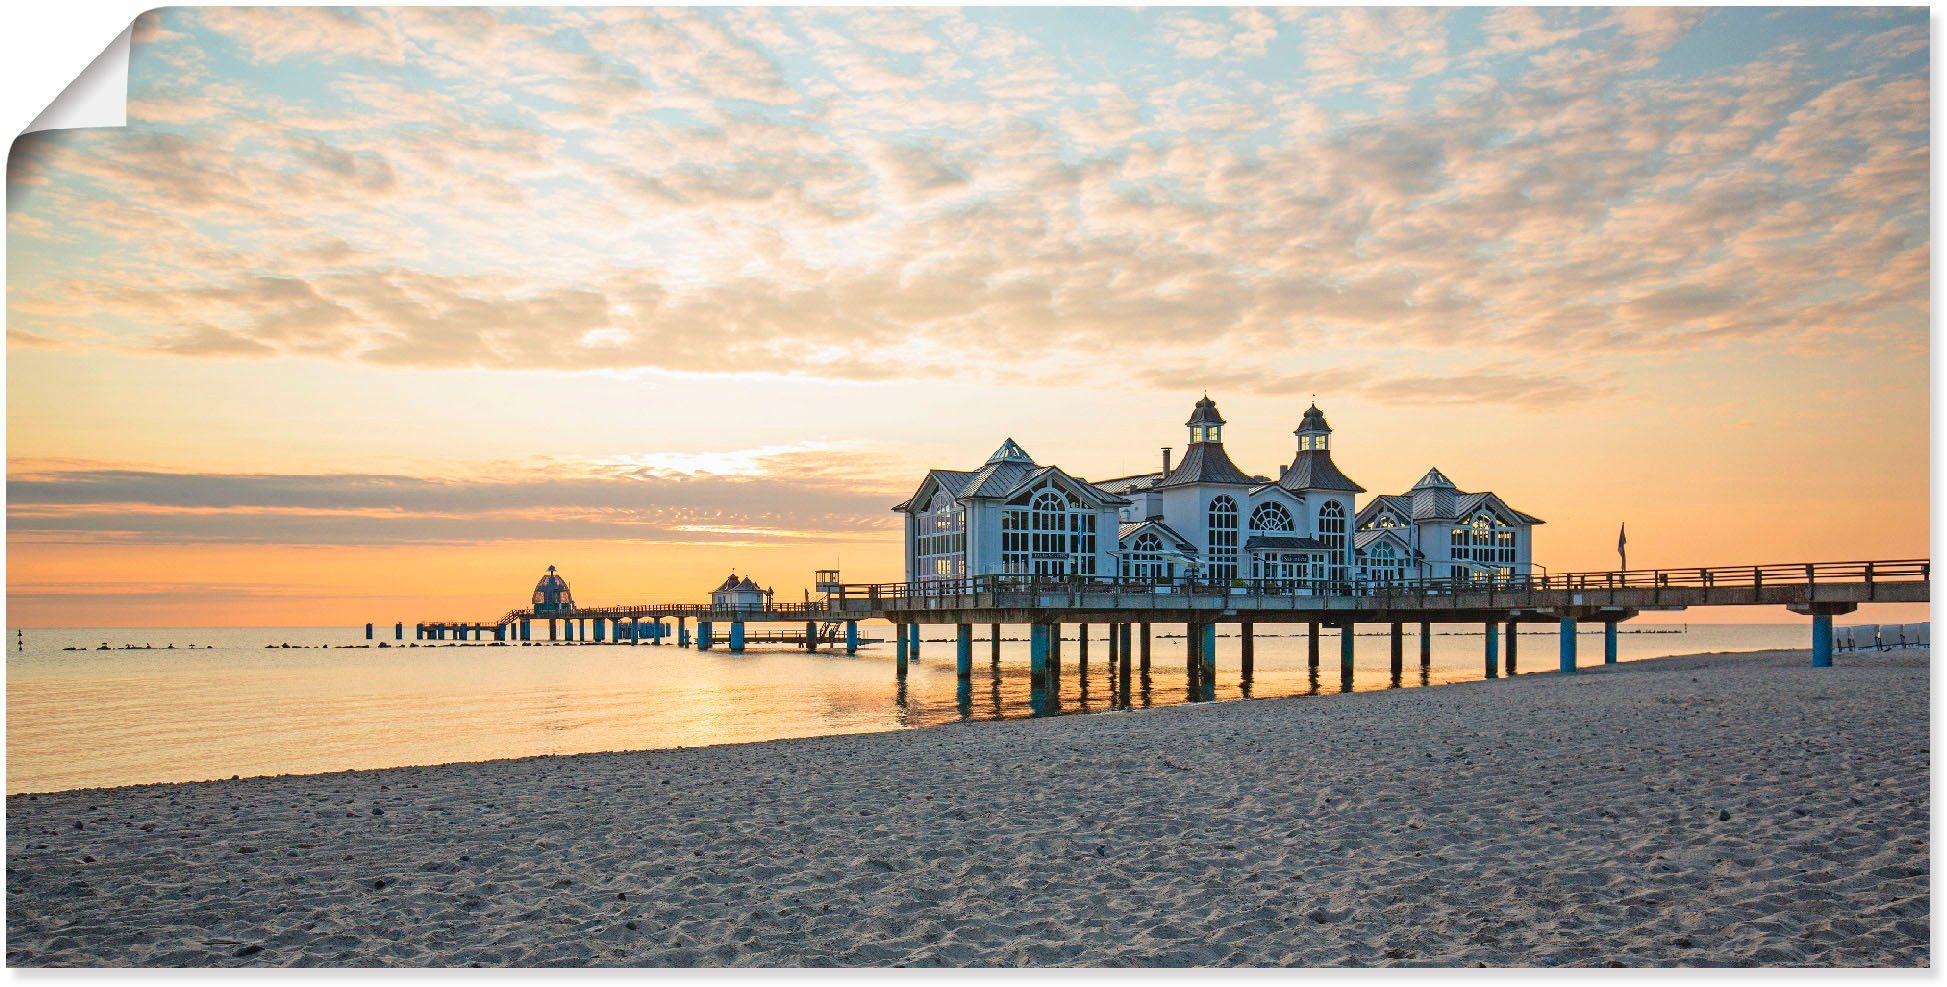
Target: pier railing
<point>1382,592</point>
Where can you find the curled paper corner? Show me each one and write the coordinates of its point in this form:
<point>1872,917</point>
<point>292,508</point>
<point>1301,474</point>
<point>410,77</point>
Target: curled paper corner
<point>98,97</point>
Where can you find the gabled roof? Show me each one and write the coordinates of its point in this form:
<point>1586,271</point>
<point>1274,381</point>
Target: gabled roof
<point>1313,469</point>
<point>1435,479</point>
<point>1464,504</point>
<point>1360,539</point>
<point>1205,462</point>
<point>1131,529</point>
<point>999,479</point>
<point>952,481</point>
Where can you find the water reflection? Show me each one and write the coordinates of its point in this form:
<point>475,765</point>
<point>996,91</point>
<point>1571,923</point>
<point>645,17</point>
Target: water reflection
<point>329,702</point>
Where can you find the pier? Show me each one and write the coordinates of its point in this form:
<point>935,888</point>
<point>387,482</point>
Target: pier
<point>1134,607</point>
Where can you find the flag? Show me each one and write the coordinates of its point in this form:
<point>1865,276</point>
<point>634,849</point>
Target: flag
<point>1622,544</point>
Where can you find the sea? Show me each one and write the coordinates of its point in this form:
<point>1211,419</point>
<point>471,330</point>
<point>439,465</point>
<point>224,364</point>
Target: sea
<point>102,707</point>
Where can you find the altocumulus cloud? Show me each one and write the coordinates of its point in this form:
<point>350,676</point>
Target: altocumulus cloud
<point>830,193</point>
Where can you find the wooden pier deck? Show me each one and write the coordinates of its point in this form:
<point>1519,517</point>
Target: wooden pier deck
<point>1819,590</point>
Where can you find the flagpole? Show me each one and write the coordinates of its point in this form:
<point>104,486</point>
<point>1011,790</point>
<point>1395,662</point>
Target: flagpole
<point>1622,545</point>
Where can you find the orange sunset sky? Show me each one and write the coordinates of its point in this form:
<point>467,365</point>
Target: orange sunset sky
<point>371,315</point>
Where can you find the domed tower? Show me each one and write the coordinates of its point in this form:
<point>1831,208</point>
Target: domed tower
<point>551,594</point>
<point>1312,468</point>
<point>1206,461</point>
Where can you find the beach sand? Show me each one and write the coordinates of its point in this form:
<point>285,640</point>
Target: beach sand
<point>1723,810</point>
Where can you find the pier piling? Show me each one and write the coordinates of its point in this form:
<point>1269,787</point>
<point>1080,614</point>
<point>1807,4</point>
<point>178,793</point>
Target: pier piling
<point>1038,654</point>
<point>994,643</point>
<point>1426,645</point>
<point>1246,651</point>
<point>1347,643</point>
<point>1608,642</point>
<point>963,652</point>
<point>1568,644</point>
<point>904,642</point>
<point>1513,639</point>
<point>851,637</point>
<point>1398,651</point>
<point>1821,640</point>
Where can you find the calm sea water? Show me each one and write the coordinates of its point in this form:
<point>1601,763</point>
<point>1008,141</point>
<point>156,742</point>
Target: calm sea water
<point>221,703</point>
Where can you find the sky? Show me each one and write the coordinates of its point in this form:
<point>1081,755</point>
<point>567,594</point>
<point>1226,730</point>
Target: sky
<point>373,314</point>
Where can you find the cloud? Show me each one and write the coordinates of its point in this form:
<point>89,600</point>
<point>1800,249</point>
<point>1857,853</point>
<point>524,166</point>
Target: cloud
<point>973,195</point>
<point>797,495</point>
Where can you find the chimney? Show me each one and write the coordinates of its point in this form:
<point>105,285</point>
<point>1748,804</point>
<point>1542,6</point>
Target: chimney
<point>1166,460</point>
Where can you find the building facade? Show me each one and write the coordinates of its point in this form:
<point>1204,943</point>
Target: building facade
<point>1201,518</point>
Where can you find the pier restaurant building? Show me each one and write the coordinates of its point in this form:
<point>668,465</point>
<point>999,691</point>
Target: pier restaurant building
<point>1204,518</point>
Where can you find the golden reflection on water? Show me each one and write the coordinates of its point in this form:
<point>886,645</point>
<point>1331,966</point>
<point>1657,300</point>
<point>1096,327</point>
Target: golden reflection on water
<point>99,718</point>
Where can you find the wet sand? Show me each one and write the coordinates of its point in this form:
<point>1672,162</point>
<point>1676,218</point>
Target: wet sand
<point>1720,810</point>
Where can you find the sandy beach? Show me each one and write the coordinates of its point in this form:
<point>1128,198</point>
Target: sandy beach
<point>1706,810</point>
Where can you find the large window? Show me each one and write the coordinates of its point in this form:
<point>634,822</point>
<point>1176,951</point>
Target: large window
<point>1271,516</point>
<point>1484,546</point>
<point>1048,533</point>
<point>1385,564</point>
<point>1223,540</point>
<point>1144,558</point>
<point>1331,531</point>
<point>1383,520</point>
<point>942,537</point>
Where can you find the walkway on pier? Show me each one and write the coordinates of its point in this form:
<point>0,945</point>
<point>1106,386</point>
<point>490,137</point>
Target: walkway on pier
<point>1131,607</point>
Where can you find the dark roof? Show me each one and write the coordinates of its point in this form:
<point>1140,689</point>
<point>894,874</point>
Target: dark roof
<point>1283,543</point>
<point>998,478</point>
<point>1129,529</point>
<point>1205,462</point>
<point>1130,484</point>
<point>1205,413</point>
<point>952,481</point>
<point>1464,504</point>
<point>1313,469</point>
<point>1314,421</point>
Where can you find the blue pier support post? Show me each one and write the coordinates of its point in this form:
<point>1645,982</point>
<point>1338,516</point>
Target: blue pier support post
<point>1207,655</point>
<point>912,630</point>
<point>1038,654</point>
<point>1513,641</point>
<point>1568,644</point>
<point>1426,644</point>
<point>500,632</point>
<point>599,632</point>
<point>1311,645</point>
<point>851,637</point>
<point>704,638</point>
<point>963,652</point>
<point>554,629</point>
<point>658,631</point>
<point>683,639</point>
<point>1821,640</point>
<point>635,631</point>
<point>994,644</point>
<point>903,644</point>
<point>399,631</point>
<point>368,630</point>
<point>1492,635</point>
<point>527,629</point>
<point>811,635</point>
<point>1347,632</point>
<point>1128,638</point>
<point>575,633</point>
<point>1081,650</point>
<point>1143,655</point>
<point>737,637</point>
<point>1608,642</point>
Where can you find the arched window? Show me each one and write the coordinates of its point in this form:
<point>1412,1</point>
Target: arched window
<point>942,538</point>
<point>1271,516</point>
<point>1331,532</point>
<point>1223,540</point>
<point>1048,533</point>
<point>1144,558</point>
<point>1486,542</point>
